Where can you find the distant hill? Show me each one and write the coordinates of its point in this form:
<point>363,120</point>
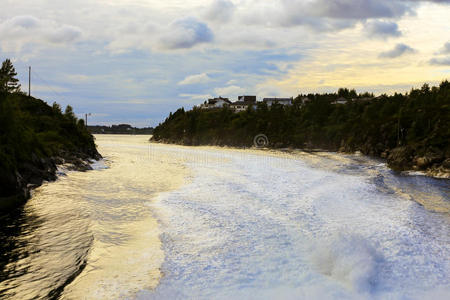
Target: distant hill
<point>119,129</point>
<point>412,131</point>
<point>34,138</point>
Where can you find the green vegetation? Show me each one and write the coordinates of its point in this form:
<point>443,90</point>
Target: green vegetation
<point>8,80</point>
<point>119,129</point>
<point>412,131</point>
<point>33,138</point>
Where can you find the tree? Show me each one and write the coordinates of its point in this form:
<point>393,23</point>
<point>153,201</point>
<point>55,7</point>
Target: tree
<point>343,92</point>
<point>8,81</point>
<point>69,114</point>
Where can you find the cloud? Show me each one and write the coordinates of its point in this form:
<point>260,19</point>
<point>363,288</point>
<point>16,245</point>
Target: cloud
<point>322,15</point>
<point>64,34</point>
<point>440,61</point>
<point>436,1</point>
<point>196,96</point>
<point>27,22</point>
<point>382,29</point>
<point>220,11</point>
<point>229,91</point>
<point>359,9</point>
<point>195,79</point>
<point>22,30</point>
<point>399,50</point>
<point>186,33</point>
<point>445,49</point>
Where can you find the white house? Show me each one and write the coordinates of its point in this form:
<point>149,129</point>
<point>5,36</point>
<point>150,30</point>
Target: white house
<point>215,103</point>
<point>282,101</point>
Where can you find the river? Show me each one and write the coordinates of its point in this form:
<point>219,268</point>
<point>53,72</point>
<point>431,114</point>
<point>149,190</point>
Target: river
<point>155,221</point>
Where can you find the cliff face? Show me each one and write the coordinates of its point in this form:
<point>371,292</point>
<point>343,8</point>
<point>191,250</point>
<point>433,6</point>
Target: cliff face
<point>34,138</point>
<point>412,131</point>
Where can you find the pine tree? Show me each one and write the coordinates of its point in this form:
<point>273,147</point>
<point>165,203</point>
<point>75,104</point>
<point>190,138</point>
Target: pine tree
<point>8,81</point>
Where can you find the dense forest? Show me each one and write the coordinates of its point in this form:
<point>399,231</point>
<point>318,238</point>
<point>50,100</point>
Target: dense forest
<point>34,137</point>
<point>412,130</point>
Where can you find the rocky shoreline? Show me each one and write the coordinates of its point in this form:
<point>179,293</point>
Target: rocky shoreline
<point>433,162</point>
<point>35,172</point>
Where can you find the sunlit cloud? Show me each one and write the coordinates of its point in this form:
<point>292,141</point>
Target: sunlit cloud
<point>195,79</point>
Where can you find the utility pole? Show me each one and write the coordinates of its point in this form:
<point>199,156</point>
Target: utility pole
<point>85,118</point>
<point>29,81</point>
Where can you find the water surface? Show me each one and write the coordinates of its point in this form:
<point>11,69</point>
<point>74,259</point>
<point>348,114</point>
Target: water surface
<point>158,221</point>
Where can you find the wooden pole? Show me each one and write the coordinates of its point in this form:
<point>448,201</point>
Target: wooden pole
<point>29,81</point>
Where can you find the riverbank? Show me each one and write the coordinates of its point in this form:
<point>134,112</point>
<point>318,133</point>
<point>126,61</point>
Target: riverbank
<point>410,131</point>
<point>96,228</point>
<point>34,139</point>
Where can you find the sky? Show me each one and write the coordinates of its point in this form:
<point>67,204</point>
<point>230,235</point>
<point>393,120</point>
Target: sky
<point>134,61</point>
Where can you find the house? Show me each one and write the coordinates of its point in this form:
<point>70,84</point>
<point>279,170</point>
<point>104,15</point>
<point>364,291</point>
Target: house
<point>215,103</point>
<point>305,100</point>
<point>340,100</point>
<point>239,106</point>
<point>243,103</point>
<point>251,99</point>
<point>282,101</point>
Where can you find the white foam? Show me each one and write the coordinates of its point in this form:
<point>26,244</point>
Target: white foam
<point>254,226</point>
<point>99,164</point>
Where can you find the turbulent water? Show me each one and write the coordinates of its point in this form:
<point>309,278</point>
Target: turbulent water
<point>169,222</point>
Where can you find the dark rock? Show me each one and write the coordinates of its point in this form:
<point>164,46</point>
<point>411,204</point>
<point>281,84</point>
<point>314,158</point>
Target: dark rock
<point>446,163</point>
<point>384,154</point>
<point>400,158</point>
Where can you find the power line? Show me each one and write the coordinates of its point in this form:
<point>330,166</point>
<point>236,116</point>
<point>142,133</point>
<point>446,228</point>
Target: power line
<point>55,93</point>
<point>47,85</point>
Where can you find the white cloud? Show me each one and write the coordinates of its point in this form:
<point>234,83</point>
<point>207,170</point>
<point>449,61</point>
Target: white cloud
<point>195,79</point>
<point>196,97</point>
<point>19,31</point>
<point>220,11</point>
<point>229,91</point>
<point>64,34</point>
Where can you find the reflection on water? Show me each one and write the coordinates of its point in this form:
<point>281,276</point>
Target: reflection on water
<point>90,235</point>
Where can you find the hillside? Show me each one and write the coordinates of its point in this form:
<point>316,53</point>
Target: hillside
<point>410,130</point>
<point>34,138</point>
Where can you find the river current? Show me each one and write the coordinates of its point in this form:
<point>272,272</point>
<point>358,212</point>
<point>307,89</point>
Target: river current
<point>155,221</point>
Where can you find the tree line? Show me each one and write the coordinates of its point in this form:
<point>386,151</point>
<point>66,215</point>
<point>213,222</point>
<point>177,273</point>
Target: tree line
<point>416,122</point>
